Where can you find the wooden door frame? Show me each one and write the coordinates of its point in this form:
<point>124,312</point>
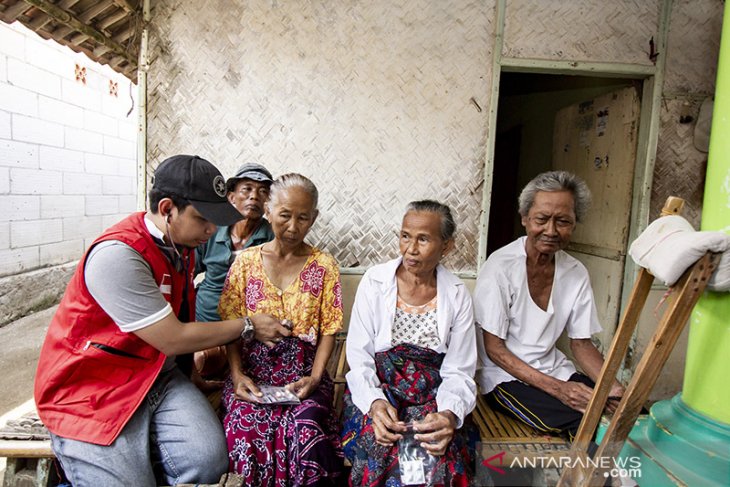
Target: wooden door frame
<point>652,77</point>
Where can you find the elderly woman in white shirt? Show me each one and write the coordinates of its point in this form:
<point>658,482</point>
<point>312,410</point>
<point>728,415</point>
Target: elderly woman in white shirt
<point>411,348</point>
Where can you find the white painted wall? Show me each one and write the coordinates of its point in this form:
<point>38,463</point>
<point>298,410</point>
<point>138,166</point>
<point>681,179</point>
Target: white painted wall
<point>67,151</point>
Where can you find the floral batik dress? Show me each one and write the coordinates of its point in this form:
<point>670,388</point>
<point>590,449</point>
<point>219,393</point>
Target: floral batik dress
<point>274,445</point>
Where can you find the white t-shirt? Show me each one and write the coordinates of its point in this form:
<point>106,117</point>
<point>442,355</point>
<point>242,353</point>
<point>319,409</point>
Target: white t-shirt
<point>503,307</point>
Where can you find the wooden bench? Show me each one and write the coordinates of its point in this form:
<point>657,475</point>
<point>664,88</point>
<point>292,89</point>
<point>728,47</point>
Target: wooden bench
<point>30,461</point>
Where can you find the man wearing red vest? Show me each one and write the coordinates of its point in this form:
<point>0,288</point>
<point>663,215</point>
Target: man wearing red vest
<point>119,409</point>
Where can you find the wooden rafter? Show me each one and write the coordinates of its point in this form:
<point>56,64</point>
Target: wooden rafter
<point>126,5</point>
<point>14,11</point>
<point>73,23</point>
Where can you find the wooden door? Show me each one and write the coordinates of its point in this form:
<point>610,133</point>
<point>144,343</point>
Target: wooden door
<point>596,140</point>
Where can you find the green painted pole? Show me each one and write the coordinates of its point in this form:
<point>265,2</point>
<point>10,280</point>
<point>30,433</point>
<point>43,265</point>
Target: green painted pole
<point>708,350</point>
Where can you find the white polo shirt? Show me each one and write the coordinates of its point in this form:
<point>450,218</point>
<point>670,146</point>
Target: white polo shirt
<point>503,306</point>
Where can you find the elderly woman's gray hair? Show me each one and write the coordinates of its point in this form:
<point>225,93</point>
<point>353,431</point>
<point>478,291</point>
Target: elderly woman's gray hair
<point>552,181</point>
<point>448,226</point>
<point>291,180</point>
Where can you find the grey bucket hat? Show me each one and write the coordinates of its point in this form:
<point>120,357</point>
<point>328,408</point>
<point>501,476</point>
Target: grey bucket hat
<point>252,171</point>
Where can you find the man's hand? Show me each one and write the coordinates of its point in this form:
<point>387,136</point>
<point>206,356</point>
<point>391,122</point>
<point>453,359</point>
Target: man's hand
<point>304,387</point>
<point>245,389</point>
<point>575,395</point>
<point>385,422</point>
<point>436,431</point>
<point>270,330</point>
<point>614,397</point>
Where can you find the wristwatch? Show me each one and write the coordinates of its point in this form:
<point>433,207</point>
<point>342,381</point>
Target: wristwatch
<point>248,332</point>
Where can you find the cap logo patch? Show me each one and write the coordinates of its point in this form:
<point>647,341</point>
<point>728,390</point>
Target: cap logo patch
<point>219,185</point>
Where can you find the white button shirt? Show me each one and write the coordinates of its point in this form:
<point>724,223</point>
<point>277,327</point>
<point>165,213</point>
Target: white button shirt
<point>370,332</point>
<point>503,307</point>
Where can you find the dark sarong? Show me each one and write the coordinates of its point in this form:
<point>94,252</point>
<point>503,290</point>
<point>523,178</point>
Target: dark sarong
<point>283,445</point>
<point>410,377</point>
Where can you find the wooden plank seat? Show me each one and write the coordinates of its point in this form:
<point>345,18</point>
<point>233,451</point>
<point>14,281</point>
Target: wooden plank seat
<point>508,438</point>
<point>26,445</point>
<point>498,431</point>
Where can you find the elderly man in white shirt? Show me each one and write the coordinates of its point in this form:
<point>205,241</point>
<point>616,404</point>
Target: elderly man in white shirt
<point>526,295</point>
<point>411,348</point>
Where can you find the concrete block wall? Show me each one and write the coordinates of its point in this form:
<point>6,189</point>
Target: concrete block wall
<point>67,151</point>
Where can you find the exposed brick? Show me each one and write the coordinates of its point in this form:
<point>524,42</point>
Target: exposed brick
<point>119,107</point>
<point>17,99</point>
<point>15,261</point>
<point>83,140</point>
<point>35,181</point>
<point>20,73</point>
<point>29,129</point>
<point>4,180</point>
<point>18,154</point>
<point>62,206</point>
<point>97,122</point>
<point>19,207</point>
<point>102,205</point>
<point>127,203</point>
<point>35,232</point>
<point>12,43</point>
<point>3,68</point>
<point>115,146</point>
<point>46,55</point>
<point>117,185</point>
<point>61,252</point>
<point>101,164</point>
<point>4,235</point>
<point>5,132</point>
<point>60,112</point>
<point>80,95</point>
<point>61,159</point>
<point>128,167</point>
<point>79,183</point>
<point>82,227</point>
<point>128,130</point>
<point>109,220</point>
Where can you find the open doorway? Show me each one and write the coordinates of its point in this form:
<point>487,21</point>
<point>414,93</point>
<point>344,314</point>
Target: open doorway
<point>528,104</point>
<point>589,126</point>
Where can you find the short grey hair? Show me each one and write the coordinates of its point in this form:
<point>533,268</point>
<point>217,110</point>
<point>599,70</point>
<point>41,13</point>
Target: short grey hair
<point>552,181</point>
<point>291,180</point>
<point>448,226</point>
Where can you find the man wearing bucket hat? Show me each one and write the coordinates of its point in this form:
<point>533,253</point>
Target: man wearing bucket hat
<point>248,191</point>
<point>119,410</point>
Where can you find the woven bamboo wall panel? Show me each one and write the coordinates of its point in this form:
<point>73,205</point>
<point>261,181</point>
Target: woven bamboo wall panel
<point>680,168</point>
<point>693,46</point>
<point>378,103</point>
<point>585,30</point>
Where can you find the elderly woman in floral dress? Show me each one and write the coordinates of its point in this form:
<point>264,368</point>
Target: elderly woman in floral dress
<point>298,285</point>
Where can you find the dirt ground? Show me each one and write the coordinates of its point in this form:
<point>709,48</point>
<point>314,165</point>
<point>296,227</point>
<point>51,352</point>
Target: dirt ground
<point>20,344</point>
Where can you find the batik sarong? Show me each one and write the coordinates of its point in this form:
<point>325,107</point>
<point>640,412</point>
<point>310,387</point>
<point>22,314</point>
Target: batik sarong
<point>410,377</point>
<point>283,445</point>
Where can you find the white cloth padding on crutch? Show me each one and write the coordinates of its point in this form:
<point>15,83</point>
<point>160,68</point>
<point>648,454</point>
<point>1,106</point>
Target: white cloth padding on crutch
<point>669,245</point>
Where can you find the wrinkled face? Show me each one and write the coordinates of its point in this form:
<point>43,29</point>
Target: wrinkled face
<point>187,227</point>
<point>249,197</point>
<point>292,215</point>
<point>550,222</point>
<point>420,242</point>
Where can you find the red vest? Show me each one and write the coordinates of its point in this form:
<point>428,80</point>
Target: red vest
<point>91,375</point>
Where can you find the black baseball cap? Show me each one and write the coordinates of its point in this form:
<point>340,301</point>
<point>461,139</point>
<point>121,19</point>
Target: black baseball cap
<point>200,182</point>
<point>252,171</point>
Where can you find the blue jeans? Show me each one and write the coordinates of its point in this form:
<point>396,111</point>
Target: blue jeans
<point>174,437</point>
